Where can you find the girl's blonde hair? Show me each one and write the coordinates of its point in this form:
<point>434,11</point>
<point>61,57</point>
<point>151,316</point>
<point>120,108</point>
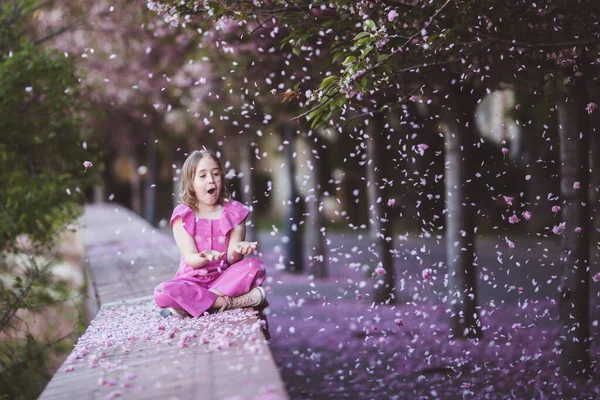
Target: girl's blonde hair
<point>188,173</point>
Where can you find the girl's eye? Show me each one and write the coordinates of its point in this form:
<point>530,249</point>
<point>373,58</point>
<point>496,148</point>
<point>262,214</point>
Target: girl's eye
<point>202,176</point>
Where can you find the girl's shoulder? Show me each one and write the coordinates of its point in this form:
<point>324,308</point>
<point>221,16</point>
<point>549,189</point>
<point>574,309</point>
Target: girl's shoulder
<point>234,214</point>
<point>185,212</point>
<point>234,206</point>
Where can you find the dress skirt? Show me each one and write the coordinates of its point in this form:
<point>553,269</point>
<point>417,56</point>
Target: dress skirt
<point>191,292</point>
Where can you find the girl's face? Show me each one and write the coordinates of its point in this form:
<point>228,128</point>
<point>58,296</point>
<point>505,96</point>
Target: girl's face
<point>208,181</point>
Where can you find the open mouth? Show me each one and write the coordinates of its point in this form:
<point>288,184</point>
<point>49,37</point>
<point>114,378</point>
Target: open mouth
<point>212,191</point>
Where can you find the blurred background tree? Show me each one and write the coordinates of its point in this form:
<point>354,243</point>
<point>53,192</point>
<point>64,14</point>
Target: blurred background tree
<point>43,148</point>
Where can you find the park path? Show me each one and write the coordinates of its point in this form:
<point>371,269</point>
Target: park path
<point>329,344</point>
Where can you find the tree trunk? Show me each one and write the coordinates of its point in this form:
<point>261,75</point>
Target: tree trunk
<point>574,288</point>
<point>459,138</point>
<point>316,219</point>
<point>536,148</point>
<point>247,166</point>
<point>135,185</point>
<point>379,223</point>
<point>150,187</point>
<point>594,191</point>
<point>294,254</point>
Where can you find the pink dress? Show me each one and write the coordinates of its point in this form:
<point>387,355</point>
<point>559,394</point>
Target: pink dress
<point>189,289</point>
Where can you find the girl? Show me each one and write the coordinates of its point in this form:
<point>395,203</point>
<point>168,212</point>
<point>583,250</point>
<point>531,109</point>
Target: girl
<point>209,230</point>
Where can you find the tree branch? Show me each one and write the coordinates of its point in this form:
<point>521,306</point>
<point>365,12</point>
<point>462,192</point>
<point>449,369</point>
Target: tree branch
<point>72,26</point>
<point>399,48</point>
<point>314,108</point>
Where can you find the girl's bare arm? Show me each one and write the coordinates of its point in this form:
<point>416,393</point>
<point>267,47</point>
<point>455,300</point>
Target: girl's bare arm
<point>238,234</point>
<point>187,246</point>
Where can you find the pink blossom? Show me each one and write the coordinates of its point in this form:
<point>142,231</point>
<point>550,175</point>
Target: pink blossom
<point>516,325</point>
<point>576,185</point>
<point>558,229</point>
<point>422,147</point>
<point>508,200</point>
<point>413,98</point>
<point>392,15</point>
<point>513,219</point>
<point>87,164</point>
<point>426,273</point>
<point>517,106</point>
<point>380,271</point>
<point>527,215</point>
<point>358,297</point>
<point>596,277</point>
<point>391,202</point>
<point>504,150</point>
<point>510,244</point>
<point>578,229</point>
<point>399,322</point>
<point>520,289</point>
<point>555,209</point>
<point>591,107</point>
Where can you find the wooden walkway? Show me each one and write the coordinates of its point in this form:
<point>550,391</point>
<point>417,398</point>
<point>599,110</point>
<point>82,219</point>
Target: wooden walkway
<point>130,351</point>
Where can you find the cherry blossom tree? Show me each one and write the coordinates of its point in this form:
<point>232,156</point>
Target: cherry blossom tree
<point>390,51</point>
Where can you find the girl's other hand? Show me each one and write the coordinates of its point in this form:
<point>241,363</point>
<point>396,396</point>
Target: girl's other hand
<point>246,247</point>
<point>212,255</point>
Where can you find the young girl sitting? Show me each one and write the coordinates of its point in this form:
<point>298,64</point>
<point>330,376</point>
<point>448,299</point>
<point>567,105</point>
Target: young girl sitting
<point>210,230</point>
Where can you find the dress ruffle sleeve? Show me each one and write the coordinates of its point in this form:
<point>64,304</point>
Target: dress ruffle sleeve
<point>234,213</point>
<point>187,216</point>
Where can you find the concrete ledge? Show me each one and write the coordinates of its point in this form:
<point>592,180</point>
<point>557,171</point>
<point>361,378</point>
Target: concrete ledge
<point>130,351</point>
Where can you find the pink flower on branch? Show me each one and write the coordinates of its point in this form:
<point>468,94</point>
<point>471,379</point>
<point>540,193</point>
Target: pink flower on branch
<point>591,107</point>
<point>555,209</point>
<point>392,15</point>
<point>558,229</point>
<point>87,164</point>
<point>513,219</point>
<point>527,215</point>
<point>596,277</point>
<point>508,200</point>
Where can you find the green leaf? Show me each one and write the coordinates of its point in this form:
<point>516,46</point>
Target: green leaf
<point>362,35</point>
<point>349,60</point>
<point>370,24</point>
<point>328,82</point>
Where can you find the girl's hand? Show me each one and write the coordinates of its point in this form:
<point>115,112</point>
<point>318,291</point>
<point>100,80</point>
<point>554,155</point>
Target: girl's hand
<point>212,255</point>
<point>245,248</point>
